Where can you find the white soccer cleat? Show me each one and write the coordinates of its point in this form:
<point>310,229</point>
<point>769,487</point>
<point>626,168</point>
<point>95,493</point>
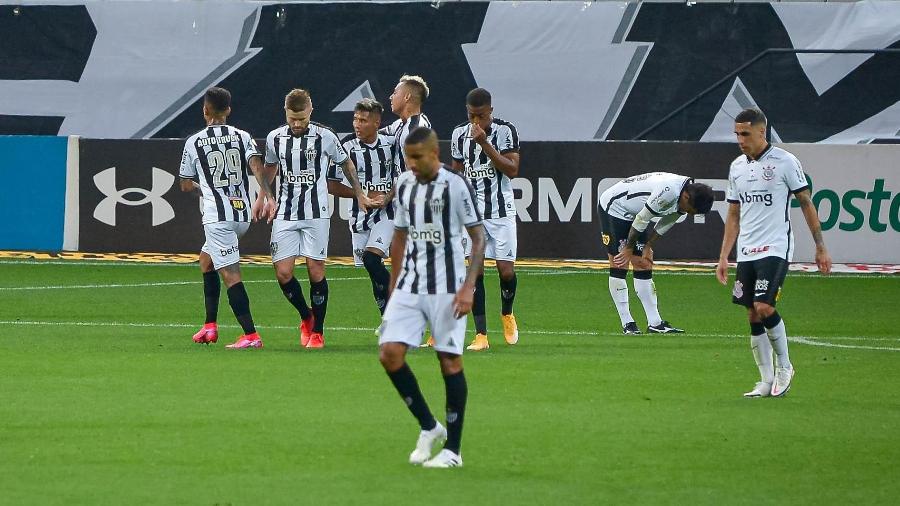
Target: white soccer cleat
<point>762,389</point>
<point>428,439</point>
<point>445,458</point>
<point>783,377</point>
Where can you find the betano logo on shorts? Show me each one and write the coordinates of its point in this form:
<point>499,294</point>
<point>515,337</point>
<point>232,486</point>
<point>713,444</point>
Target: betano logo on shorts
<point>854,203</point>
<point>105,211</point>
<point>427,233</point>
<point>225,252</point>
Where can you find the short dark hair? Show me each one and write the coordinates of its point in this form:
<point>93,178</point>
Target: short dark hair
<point>478,97</point>
<point>420,135</point>
<point>218,99</point>
<point>297,100</point>
<point>701,197</point>
<point>752,115</point>
<point>417,86</point>
<point>369,105</point>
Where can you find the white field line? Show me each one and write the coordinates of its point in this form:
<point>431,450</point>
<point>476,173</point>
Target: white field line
<point>809,340</point>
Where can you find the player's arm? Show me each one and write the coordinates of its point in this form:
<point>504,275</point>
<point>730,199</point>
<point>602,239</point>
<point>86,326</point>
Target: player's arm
<point>462,302</point>
<point>732,227</point>
<point>265,206</point>
<point>350,174</point>
<point>339,189</point>
<point>507,163</point>
<point>823,259</point>
<point>640,223</point>
<point>398,247</point>
<point>189,185</point>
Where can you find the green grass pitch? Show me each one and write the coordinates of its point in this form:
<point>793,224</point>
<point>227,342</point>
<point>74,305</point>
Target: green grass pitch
<point>104,399</point>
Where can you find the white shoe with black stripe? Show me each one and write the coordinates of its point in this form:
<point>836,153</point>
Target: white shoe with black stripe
<point>445,458</point>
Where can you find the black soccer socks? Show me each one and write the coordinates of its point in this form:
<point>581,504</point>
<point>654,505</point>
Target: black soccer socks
<point>457,393</point>
<point>478,309</point>
<point>294,295</point>
<point>380,276</point>
<point>212,288</point>
<point>318,294</point>
<point>405,382</point>
<point>508,294</point>
<point>240,304</point>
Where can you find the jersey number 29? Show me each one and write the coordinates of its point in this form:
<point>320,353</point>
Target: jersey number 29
<point>226,168</point>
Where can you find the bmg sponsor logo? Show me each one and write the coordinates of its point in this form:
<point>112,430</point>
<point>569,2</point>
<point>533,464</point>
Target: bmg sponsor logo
<point>756,198</point>
<point>427,233</point>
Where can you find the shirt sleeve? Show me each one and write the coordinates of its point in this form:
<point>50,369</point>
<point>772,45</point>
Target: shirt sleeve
<point>271,153</point>
<point>507,139</point>
<point>666,222</point>
<point>730,192</point>
<point>401,214</point>
<point>250,146</point>
<point>188,169</point>
<point>456,144</point>
<point>333,148</point>
<point>466,210</point>
<point>663,201</point>
<point>794,175</point>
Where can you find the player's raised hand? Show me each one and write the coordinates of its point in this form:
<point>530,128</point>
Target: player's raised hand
<point>462,302</point>
<point>823,261</point>
<point>258,207</point>
<point>478,134</point>
<point>365,202</point>
<point>722,271</point>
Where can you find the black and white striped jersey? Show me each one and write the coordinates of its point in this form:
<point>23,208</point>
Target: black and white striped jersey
<point>492,187</point>
<point>217,157</point>
<point>434,214</point>
<point>400,130</point>
<point>375,171</point>
<point>303,163</point>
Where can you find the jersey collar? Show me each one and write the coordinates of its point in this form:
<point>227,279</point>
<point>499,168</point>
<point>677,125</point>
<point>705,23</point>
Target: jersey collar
<point>761,155</point>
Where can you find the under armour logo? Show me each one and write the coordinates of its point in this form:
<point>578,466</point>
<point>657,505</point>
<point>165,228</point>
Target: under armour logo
<point>106,210</point>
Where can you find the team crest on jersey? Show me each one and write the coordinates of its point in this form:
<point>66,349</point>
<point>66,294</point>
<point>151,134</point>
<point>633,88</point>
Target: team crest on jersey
<point>768,172</point>
<point>436,205</point>
<point>311,155</point>
<point>606,239</point>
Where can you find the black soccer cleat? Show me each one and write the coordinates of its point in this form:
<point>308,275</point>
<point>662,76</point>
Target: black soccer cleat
<point>631,329</point>
<point>663,328</point>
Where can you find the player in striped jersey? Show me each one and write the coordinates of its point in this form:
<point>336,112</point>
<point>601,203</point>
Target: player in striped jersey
<point>486,150</point>
<point>303,151</point>
<point>215,160</point>
<point>406,102</point>
<point>431,286</point>
<point>371,229</point>
<point>626,209</point>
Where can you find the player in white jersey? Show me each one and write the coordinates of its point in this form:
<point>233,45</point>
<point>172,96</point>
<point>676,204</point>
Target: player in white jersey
<point>760,184</point>
<point>431,285</point>
<point>215,160</point>
<point>406,102</point>
<point>486,150</point>
<point>371,229</point>
<point>303,151</point>
<point>626,210</point>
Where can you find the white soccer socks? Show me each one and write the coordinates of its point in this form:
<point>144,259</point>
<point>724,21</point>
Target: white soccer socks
<point>618,289</point>
<point>646,291</point>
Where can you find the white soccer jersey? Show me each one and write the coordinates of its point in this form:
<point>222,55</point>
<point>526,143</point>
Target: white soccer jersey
<point>303,165</point>
<point>492,187</point>
<point>375,171</point>
<point>657,191</point>
<point>400,130</point>
<point>435,215</point>
<point>218,157</point>
<point>763,189</point>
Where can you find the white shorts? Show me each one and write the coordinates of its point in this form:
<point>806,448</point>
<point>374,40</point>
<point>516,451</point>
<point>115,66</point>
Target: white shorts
<point>304,238</point>
<point>378,237</point>
<point>407,314</point>
<point>222,242</point>
<point>500,239</point>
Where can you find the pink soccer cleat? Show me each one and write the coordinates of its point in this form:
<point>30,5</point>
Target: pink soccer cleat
<point>306,330</point>
<point>316,340</point>
<point>208,334</point>
<point>246,341</point>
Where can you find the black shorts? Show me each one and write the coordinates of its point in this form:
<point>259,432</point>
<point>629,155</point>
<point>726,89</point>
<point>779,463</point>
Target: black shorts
<point>614,232</point>
<point>759,281</point>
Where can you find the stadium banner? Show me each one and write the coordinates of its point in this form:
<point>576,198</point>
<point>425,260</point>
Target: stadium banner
<point>606,70</point>
<point>130,200</point>
<point>33,209</point>
<point>857,192</point>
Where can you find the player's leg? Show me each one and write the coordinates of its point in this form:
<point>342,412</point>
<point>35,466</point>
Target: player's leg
<point>212,289</point>
<point>449,334</point>
<point>611,233</point>
<point>645,289</point>
<point>402,327</point>
<point>479,310</point>
<point>377,246</point>
<point>505,246</point>
<point>314,246</point>
<point>771,272</point>
<point>285,247</point>
<point>760,346</point>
